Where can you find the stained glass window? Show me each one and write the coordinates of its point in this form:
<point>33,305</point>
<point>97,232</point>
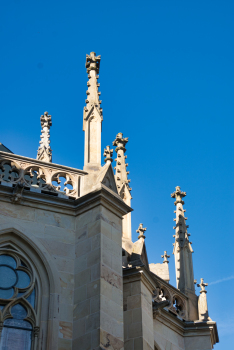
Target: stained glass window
<point>16,284</point>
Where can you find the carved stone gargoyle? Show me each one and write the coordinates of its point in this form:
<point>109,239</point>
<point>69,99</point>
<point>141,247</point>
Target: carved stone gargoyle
<point>18,193</point>
<point>158,306</point>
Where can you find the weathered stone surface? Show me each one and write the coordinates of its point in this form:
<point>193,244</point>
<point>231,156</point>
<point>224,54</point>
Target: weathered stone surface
<point>108,342</point>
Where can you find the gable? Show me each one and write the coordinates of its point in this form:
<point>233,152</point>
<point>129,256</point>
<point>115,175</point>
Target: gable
<point>109,179</point>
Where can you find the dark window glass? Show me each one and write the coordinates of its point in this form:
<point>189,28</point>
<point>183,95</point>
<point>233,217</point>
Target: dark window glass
<point>24,279</point>
<point>15,339</point>
<point>16,333</point>
<point>7,260</point>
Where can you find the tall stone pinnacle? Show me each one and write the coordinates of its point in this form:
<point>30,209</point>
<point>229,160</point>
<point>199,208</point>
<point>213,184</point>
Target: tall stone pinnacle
<point>182,246</point>
<point>92,118</point>
<point>122,181</point>
<point>44,151</point>
<point>121,165</point>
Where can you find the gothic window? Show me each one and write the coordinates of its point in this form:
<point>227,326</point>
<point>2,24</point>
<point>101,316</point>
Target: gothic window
<point>18,302</point>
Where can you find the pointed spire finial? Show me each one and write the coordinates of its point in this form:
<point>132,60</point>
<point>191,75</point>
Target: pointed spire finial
<point>202,285</point>
<point>120,142</point>
<point>165,256</point>
<point>93,64</point>
<point>108,154</point>
<point>44,151</point>
<point>178,195</point>
<point>141,231</point>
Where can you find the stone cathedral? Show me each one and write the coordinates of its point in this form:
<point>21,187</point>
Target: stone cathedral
<point>71,278</point>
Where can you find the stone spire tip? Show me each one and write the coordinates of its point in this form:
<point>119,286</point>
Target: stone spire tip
<point>108,154</point>
<point>202,285</point>
<point>141,231</point>
<point>165,257</point>
<point>178,195</point>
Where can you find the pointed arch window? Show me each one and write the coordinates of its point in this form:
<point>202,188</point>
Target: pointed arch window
<point>18,302</point>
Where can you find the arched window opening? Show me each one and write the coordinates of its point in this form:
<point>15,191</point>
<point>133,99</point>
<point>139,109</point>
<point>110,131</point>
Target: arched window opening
<point>18,302</point>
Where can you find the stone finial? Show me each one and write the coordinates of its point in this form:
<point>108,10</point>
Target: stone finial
<point>120,142</point>
<point>178,195</point>
<point>202,285</point>
<point>108,154</point>
<point>141,231</point>
<point>92,62</point>
<point>165,256</point>
<point>44,151</point>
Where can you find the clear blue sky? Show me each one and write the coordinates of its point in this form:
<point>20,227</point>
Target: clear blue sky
<point>167,83</point>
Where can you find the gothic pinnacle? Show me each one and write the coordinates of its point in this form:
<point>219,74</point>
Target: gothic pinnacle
<point>92,116</point>
<point>121,171</point>
<point>44,152</point>
<point>182,247</point>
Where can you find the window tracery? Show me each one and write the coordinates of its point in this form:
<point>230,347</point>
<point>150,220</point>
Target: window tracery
<point>18,302</point>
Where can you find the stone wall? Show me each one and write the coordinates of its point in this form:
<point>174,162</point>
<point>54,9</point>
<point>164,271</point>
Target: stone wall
<point>98,300</point>
<point>138,316</point>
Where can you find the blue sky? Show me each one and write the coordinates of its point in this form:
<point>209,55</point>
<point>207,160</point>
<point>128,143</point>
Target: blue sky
<point>166,79</point>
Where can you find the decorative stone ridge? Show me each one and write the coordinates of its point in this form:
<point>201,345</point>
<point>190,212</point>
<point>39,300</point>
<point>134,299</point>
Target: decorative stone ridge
<point>29,174</point>
<point>44,152</point>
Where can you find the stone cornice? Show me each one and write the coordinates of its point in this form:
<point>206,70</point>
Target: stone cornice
<point>189,329</point>
<point>100,196</point>
<point>137,273</point>
<point>104,196</point>
<point>142,271</point>
<point>39,201</point>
